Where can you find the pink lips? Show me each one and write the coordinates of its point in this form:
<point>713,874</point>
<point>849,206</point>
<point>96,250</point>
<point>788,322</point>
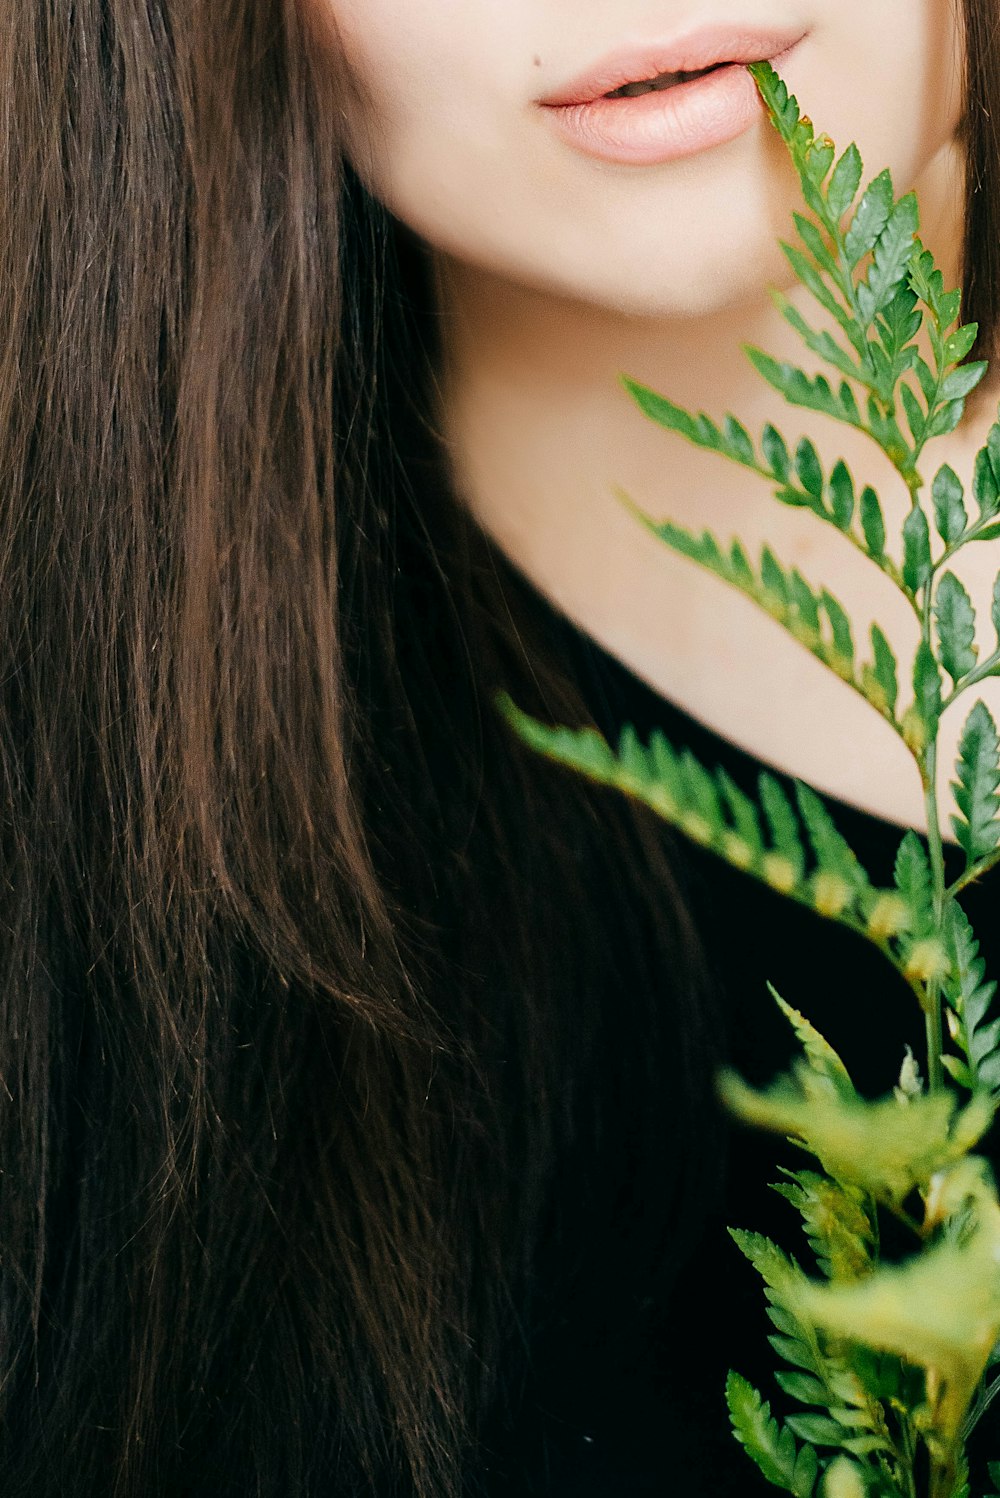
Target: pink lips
<point>670,123</point>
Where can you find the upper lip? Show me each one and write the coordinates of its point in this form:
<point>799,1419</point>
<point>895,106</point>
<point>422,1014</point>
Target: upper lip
<point>704,48</point>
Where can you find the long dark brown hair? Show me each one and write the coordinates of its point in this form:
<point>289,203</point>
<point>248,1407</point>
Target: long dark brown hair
<point>298,1020</point>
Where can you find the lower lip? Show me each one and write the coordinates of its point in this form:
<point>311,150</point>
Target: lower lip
<point>665,125</point>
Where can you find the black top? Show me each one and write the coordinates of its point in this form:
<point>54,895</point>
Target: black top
<point>592,1428</point>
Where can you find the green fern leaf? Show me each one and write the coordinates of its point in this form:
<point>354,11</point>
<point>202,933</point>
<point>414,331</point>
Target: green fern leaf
<point>703,548</point>
<point>801,1386</point>
<point>939,1309</point>
<point>882,689</point>
<point>630,766</point>
<point>872,523</point>
<point>916,416</point>
<point>927,380</point>
<point>746,820</point>
<point>837,1225</point>
<point>885,1148</point>
<point>740,569</point>
<point>702,795</point>
<point>815,1377</point>
<point>819,1430</point>
<point>885,429</point>
<point>663,411</point>
<point>841,487</point>
<point>772,576</point>
<point>807,466</point>
<point>707,806</point>
<point>978,768</point>
<point>893,252</point>
<point>775,451</point>
<point>812,156</point>
<point>665,774</point>
<point>775,1268</point>
<point>795,605</point>
<point>896,326</point>
<point>819,1053</point>
<point>811,393</point>
<point>986,479</point>
<point>786,596</point>
<point>881,365</point>
<point>821,342</point>
<point>946,418</point>
<point>849,405</point>
<point>819,158</point>
<point>969,997</point>
<point>738,442</point>
<point>921,955</point>
<point>949,511</point>
<point>956,627</point>
<point>814,242</point>
<point>843,641</point>
<point>993,448</point>
<point>770,1445</point>
<point>916,550</point>
<point>913,880</point>
<point>782,106</point>
<point>835,859</point>
<point>928,283</point>
<point>870,218</point>
<point>844,182</point>
<point>962,381</point>
<point>927,686</point>
<point>959,345</point>
<point>783,824</point>
<point>812,280</point>
<point>806,606</point>
<point>731,441</point>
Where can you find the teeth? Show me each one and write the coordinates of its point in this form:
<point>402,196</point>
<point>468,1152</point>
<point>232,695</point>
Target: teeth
<point>654,85</point>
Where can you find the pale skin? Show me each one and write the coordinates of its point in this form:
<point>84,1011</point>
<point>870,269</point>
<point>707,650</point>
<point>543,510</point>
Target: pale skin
<point>556,273</point>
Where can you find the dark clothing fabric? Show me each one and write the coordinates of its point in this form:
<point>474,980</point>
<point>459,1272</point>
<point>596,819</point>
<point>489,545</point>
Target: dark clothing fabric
<point>600,1420</point>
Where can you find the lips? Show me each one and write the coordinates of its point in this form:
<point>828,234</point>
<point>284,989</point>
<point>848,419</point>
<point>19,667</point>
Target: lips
<point>619,74</point>
<point>655,103</point>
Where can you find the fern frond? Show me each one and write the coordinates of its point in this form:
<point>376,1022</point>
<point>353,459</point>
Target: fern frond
<point>969,998</point>
<point>836,1219</point>
<point>770,1445</point>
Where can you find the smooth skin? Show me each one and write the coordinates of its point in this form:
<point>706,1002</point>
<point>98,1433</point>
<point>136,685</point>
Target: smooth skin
<point>557,272</point>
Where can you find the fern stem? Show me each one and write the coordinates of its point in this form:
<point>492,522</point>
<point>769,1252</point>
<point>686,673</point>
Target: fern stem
<point>932,1012</point>
<point>988,667</point>
<point>932,1022</point>
<point>985,1396</point>
<point>972,873</point>
<point>910,1449</point>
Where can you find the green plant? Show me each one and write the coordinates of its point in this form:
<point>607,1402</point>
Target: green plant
<point>889,1363</point>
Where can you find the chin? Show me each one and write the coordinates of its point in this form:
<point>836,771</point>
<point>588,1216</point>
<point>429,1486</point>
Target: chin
<point>685,290</point>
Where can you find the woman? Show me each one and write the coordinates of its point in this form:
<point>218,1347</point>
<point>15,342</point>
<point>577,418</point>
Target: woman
<point>357,1124</point>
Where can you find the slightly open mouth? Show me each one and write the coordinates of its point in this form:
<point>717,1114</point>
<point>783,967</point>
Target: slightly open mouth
<point>660,82</point>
